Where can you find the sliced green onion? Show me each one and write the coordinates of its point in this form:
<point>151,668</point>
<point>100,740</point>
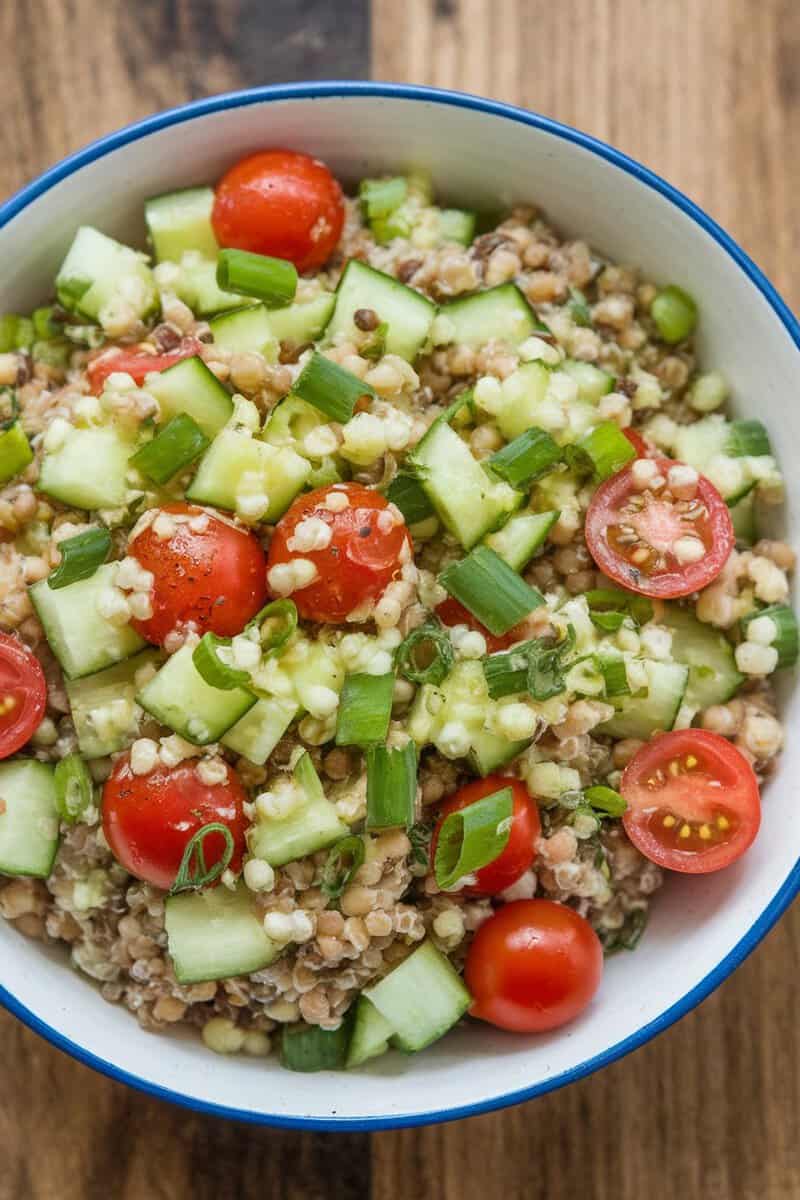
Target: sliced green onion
<point>8,332</point>
<point>15,452</point>
<point>608,608</point>
<point>426,655</point>
<point>271,280</point>
<point>605,800</point>
<point>276,623</point>
<point>603,451</point>
<point>342,862</point>
<point>25,333</point>
<point>310,1048</point>
<point>536,666</point>
<point>526,459</point>
<point>675,314</point>
<point>472,837</point>
<point>193,872</point>
<point>306,777</point>
<point>374,346</point>
<point>9,407</point>
<point>74,789</point>
<point>391,786</point>
<point>408,494</point>
<point>419,835</point>
<point>330,388</point>
<point>615,675</point>
<point>80,557</point>
<point>380,197</point>
<point>578,309</point>
<point>179,443</point>
<point>506,672</point>
<point>365,709</point>
<point>629,936</point>
<point>494,593</point>
<point>748,438</point>
<point>215,672</point>
<point>44,326</point>
<point>786,641</point>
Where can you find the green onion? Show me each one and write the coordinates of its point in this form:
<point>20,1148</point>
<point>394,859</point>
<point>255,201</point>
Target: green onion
<point>675,314</point>
<point>9,403</point>
<point>615,675</point>
<point>605,800</point>
<point>44,326</point>
<point>215,672</point>
<point>193,872</point>
<point>25,334</point>
<point>74,790</point>
<point>578,309</point>
<point>374,346</point>
<point>80,557</point>
<point>494,593</point>
<point>15,452</point>
<point>786,640</point>
<point>408,494</point>
<point>276,623</point>
<point>472,837</point>
<point>426,655</point>
<point>419,835</point>
<point>342,862</point>
<point>526,459</point>
<point>365,709</point>
<point>506,673</point>
<point>629,936</point>
<point>747,438</point>
<point>536,666</point>
<point>608,608</point>
<point>380,197</point>
<point>271,280</point>
<point>179,443</point>
<point>391,786</point>
<point>8,332</point>
<point>310,1048</point>
<point>603,451</point>
<point>330,388</point>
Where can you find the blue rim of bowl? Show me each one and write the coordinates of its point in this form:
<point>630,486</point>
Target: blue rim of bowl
<point>791,885</point>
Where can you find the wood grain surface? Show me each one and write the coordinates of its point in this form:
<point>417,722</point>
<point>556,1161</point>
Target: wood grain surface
<point>708,93</point>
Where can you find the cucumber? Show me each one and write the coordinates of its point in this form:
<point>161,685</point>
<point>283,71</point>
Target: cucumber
<point>99,275</point>
<point>523,393</point>
<point>521,536</point>
<point>257,733</point>
<point>102,706</point>
<point>290,421</point>
<point>745,519</point>
<point>189,387</point>
<point>500,313</point>
<point>181,221</point>
<point>463,696</point>
<point>457,225</point>
<point>179,697</point>
<point>370,1036</point>
<point>82,640</point>
<point>29,827</point>
<point>245,329</point>
<point>698,443</point>
<point>313,666</point>
<point>421,998</point>
<point>15,452</point>
<point>592,382</point>
<point>312,825</point>
<point>490,752</point>
<point>310,1048</point>
<point>89,470</point>
<point>197,286</point>
<point>302,322</point>
<point>734,455</point>
<point>713,677</point>
<point>408,314</point>
<point>640,716</point>
<point>216,934</point>
<point>274,472</point>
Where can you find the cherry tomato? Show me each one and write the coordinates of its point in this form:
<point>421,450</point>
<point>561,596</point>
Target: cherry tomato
<point>364,553</point>
<point>637,441</point>
<point>281,203</point>
<point>519,850</point>
<point>693,801</point>
<point>534,965</point>
<point>632,533</point>
<point>212,575</point>
<point>23,694</point>
<point>136,363</point>
<point>452,612</point>
<point>149,819</point>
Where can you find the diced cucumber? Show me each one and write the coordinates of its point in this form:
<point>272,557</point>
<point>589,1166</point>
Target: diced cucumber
<point>421,998</point>
<point>500,313</point>
<point>15,452</point>
<point>713,677</point>
<point>312,824</point>
<point>698,443</point>
<point>745,519</point>
<point>216,934</point>
<point>89,469</point>
<point>197,286</point>
<point>258,732</point>
<point>311,1048</point>
<point>639,716</point>
<point>275,472</point>
<point>462,697</point>
<point>521,536</point>
<point>523,393</point>
<point>179,697</point>
<point>592,382</point>
<point>313,665</point>
<point>370,1036</point>
<point>103,708</point>
<point>244,329</point>
<point>82,640</point>
<point>734,455</point>
<point>290,422</point>
<point>302,322</point>
<point>100,276</point>
<point>457,225</point>
<point>408,314</point>
<point>489,752</point>
<point>189,387</point>
<point>181,221</point>
<point>28,818</point>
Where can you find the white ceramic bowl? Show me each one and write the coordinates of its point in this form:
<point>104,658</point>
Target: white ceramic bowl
<point>479,153</point>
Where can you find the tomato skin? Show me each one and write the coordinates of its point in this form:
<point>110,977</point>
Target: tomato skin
<point>659,518</point>
<point>519,850</point>
<point>214,578</point>
<point>23,694</point>
<point>358,563</point>
<point>136,363</point>
<point>533,966</point>
<point>149,819</point>
<point>637,441</point>
<point>452,612</point>
<point>282,203</point>
<point>718,794</point>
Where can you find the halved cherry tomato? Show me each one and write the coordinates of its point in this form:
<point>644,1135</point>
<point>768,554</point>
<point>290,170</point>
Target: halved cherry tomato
<point>281,203</point>
<point>23,694</point>
<point>136,363</point>
<point>365,552</point>
<point>149,819</point>
<point>205,571</point>
<point>633,533</point>
<point>519,850</point>
<point>533,966</point>
<point>452,612</point>
<point>637,441</point>
<point>693,801</point>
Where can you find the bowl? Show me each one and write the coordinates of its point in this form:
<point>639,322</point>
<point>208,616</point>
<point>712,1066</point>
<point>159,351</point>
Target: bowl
<point>480,153</point>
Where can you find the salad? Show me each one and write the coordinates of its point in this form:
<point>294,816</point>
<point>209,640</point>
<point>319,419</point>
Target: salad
<point>385,612</point>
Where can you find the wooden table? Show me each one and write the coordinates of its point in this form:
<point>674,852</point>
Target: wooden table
<point>708,93</point>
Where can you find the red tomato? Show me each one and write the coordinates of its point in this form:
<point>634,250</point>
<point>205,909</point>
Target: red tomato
<point>519,851</point>
<point>693,801</point>
<point>362,557</point>
<point>136,363</point>
<point>452,612</point>
<point>23,694</point>
<point>534,965</point>
<point>281,203</point>
<point>213,576</point>
<point>632,533</point>
<point>149,819</point>
<point>637,441</point>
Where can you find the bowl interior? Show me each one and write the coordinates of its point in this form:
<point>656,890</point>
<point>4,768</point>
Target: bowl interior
<point>700,928</point>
